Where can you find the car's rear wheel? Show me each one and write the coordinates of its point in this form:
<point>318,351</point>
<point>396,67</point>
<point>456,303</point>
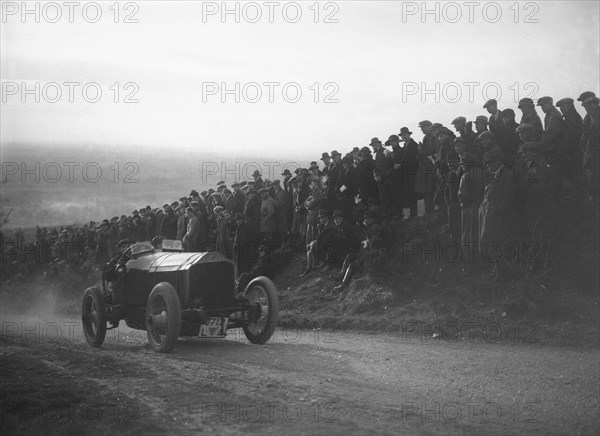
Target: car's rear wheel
<point>163,317</point>
<point>264,311</point>
<point>93,316</point>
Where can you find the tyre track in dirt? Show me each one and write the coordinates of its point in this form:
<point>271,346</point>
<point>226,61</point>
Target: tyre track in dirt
<point>334,383</point>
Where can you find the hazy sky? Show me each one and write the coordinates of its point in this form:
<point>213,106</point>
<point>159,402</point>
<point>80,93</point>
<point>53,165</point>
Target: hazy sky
<point>376,59</point>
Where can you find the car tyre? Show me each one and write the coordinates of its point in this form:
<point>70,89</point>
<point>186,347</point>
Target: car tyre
<point>163,317</point>
<point>262,291</point>
<point>93,316</point>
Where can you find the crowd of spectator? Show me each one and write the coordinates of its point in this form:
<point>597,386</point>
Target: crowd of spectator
<point>490,182</point>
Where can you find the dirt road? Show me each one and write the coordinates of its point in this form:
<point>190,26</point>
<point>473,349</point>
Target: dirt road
<point>303,382</point>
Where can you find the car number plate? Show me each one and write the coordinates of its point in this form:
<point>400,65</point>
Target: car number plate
<point>215,328</point>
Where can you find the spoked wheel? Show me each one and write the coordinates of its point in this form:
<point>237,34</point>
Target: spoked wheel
<point>93,316</point>
<point>264,311</point>
<point>163,317</point>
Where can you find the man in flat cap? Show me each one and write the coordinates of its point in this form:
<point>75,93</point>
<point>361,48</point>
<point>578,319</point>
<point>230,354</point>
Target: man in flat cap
<point>505,135</point>
<point>252,215</point>
<point>222,233</point>
<point>242,246</point>
<point>465,130</point>
<point>150,223</point>
<point>169,224</point>
<point>425,178</point>
<point>333,175</point>
<point>481,126</point>
<point>571,152</point>
<point>315,201</point>
<point>193,227</point>
<point>585,95</point>
<point>531,117</point>
<point>283,211</point>
<point>268,222</point>
<point>300,194</point>
<point>585,128</point>
<point>408,171</point>
<point>429,140</point>
<point>201,213</point>
<point>590,152</point>
<point>508,139</point>
<point>554,129</point>
<point>495,119</point>
<point>181,222</point>
<point>160,216</point>
<point>237,200</point>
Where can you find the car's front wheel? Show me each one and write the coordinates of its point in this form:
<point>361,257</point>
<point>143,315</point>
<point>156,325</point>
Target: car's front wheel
<point>163,317</point>
<point>93,316</point>
<point>264,310</point>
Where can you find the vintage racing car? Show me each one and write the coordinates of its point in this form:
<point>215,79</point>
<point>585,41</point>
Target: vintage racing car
<point>170,293</point>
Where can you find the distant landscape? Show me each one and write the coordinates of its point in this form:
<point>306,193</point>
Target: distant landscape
<point>130,179</point>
